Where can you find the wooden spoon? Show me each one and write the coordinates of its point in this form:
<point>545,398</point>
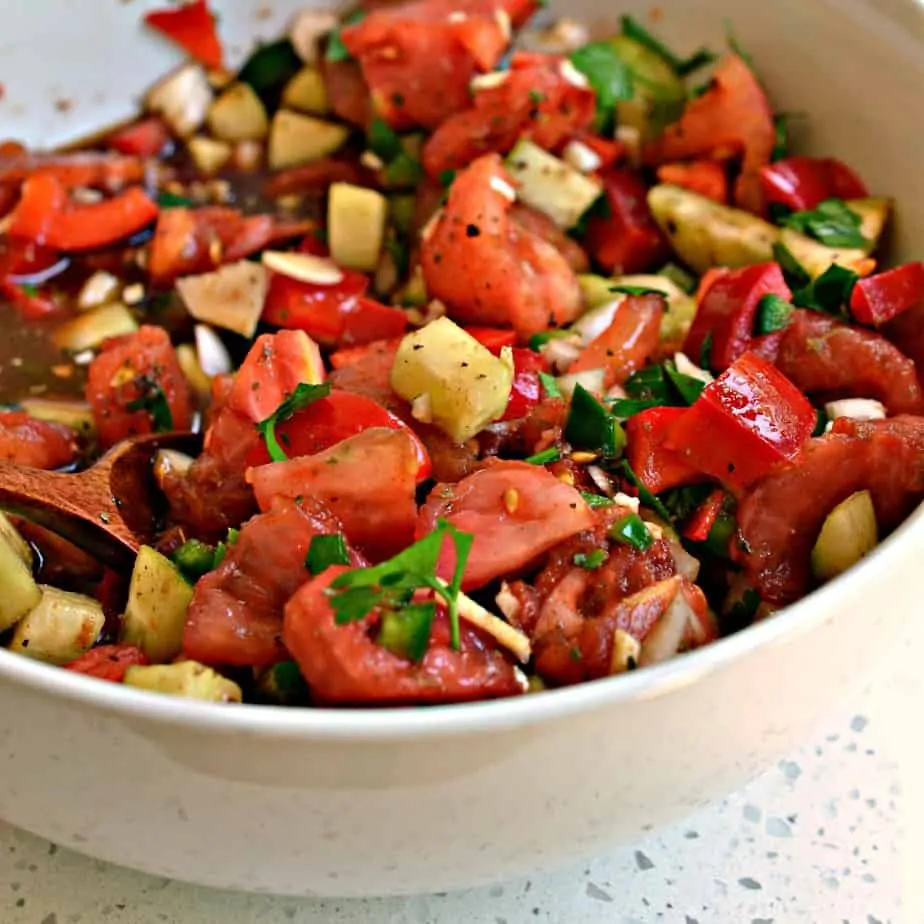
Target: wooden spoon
<point>109,510</point>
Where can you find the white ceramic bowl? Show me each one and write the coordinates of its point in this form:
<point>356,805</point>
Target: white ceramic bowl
<point>363,803</point>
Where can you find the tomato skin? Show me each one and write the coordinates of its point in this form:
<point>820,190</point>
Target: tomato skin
<point>108,662</point>
<point>882,456</point>
<point>732,114</point>
<point>347,91</point>
<point>395,47</point>
<point>534,102</point>
<point>705,177</point>
<point>331,420</point>
<point>700,523</point>
<point>823,356</point>
<point>880,298</point>
<point>727,309</point>
<point>144,138</point>
<point>126,371</point>
<point>235,616</point>
<point>346,356</point>
<point>658,467</point>
<point>803,183</point>
<point>526,391</point>
<point>317,175</point>
<point>492,338</point>
<point>500,274</point>
<point>273,368</point>
<point>628,343</point>
<point>343,665</point>
<point>36,443</point>
<point>754,417</point>
<point>368,481</point>
<point>541,225</point>
<point>508,537</point>
<point>628,240</point>
<point>192,27</point>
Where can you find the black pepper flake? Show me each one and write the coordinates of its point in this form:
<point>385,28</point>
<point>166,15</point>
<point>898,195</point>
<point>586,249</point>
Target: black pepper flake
<point>417,346</point>
<point>104,517</point>
<point>397,99</point>
<point>472,231</point>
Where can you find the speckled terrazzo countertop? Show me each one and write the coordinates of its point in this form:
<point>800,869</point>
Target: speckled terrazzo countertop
<point>833,834</point>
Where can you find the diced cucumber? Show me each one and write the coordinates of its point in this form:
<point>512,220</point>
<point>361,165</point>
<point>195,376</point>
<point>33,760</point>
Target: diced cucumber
<point>306,92</point>
<point>451,379</point>
<point>88,330</point>
<point>550,185</point>
<point>188,679</point>
<point>20,592</point>
<point>849,532</point>
<point>158,600</point>
<point>874,215</point>
<point>705,234</point>
<point>238,115</point>
<point>231,297</point>
<point>209,154</point>
<point>815,257</point>
<point>658,96</point>
<point>356,220</point>
<point>60,628</point>
<point>298,139</point>
<point>182,98</point>
<point>401,210</point>
<point>70,413</point>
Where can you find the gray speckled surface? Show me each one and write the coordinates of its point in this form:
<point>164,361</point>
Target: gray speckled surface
<point>818,838</point>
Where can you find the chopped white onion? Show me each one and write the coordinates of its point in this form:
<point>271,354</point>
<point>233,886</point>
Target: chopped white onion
<point>600,479</point>
<point>503,187</point>
<point>581,157</point>
<point>561,352</point>
<point>211,352</point>
<point>686,366</point>
<point>624,500</point>
<point>591,379</point>
<point>594,322</point>
<point>507,603</point>
<point>487,81</point>
<point>572,74</point>
<point>307,30</point>
<point>631,137</point>
<point>856,409</point>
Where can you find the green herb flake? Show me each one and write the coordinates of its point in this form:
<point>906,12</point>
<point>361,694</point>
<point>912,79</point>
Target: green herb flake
<point>829,293</point>
<point>592,427</point>
<point>821,422</point>
<point>608,75</point>
<point>624,408</point>
<point>546,457</point>
<point>536,96</point>
<point>153,401</point>
<point>392,584</point>
<point>687,386</point>
<point>404,171</point>
<point>684,280</point>
<point>649,384</point>
<point>28,288</point>
<point>447,177</point>
<point>590,561</point>
<point>781,137</point>
<point>594,501</point>
<point>549,385</point>
<point>637,290</point>
<point>169,200</point>
<point>303,395</point>
<point>269,69</point>
<point>325,551</point>
<point>773,314</point>
<point>336,50</point>
<point>644,495</point>
<point>732,41</point>
<point>406,632</point>
<point>538,341</point>
<point>705,352</point>
<point>793,271</point>
<point>382,140</point>
<point>631,530</point>
<point>743,611</point>
<point>682,503</point>
<point>633,29</point>
<point>194,558</point>
<point>832,222</point>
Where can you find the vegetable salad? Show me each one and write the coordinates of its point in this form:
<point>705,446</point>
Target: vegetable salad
<point>521,358</point>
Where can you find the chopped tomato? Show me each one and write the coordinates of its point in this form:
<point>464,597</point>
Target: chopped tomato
<point>330,420</point>
<point>657,467</point>
<point>780,517</point>
<point>274,367</point>
<point>37,443</point>
<point>93,169</point>
<point>32,306</point>
<point>880,298</point>
<point>235,616</point>
<point>489,270</point>
<point>733,114</point>
<point>628,343</point>
<point>824,357</point>
<point>526,391</point>
<point>705,177</point>
<point>541,225</point>
<point>368,481</point>
<point>907,333</point>
<point>108,662</point>
<point>754,417</point>
<point>627,239</point>
<point>192,26</point>
<point>727,310</point>
<point>515,511</point>
<point>803,183</point>
<point>492,338</point>
<point>47,216</point>
<point>396,47</point>
<point>349,355</point>
<point>700,523</point>
<point>344,665</point>
<point>318,175</point>
<point>146,138</point>
<point>535,101</point>
<point>347,91</point>
<point>136,386</point>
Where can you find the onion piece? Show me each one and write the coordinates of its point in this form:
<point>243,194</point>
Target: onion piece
<point>214,358</point>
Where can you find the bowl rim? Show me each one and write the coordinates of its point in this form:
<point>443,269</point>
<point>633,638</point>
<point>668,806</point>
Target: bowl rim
<point>485,716</point>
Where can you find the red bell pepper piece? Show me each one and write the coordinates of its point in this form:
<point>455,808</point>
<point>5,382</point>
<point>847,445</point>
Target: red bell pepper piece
<point>747,420</point>
<point>801,183</point>
<point>32,306</point>
<point>192,27</point>
<point>705,177</point>
<point>629,240</point>
<point>46,215</point>
<point>493,338</point>
<point>727,309</point>
<point>370,320</point>
<point>330,420</point>
<point>145,138</point>
<point>700,523</point>
<point>526,391</point>
<point>880,298</point>
<point>732,115</point>
<point>628,343</point>
<point>108,662</point>
<point>657,467</point>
